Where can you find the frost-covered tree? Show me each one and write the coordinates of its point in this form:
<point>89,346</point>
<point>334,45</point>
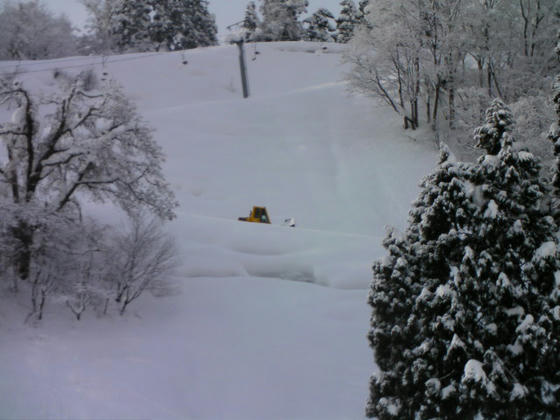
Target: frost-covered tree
<point>466,306</point>
<point>386,58</point>
<point>281,20</point>
<point>320,26</point>
<point>347,21</point>
<point>28,31</point>
<point>73,143</point>
<point>251,21</point>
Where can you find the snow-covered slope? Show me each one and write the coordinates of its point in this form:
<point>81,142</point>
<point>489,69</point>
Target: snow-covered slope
<point>243,338</point>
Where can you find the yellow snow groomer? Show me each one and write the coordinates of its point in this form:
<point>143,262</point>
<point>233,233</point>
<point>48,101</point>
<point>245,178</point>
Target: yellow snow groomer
<point>257,215</point>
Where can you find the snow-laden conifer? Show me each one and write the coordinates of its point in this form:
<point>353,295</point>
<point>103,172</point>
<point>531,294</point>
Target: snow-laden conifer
<point>146,25</point>
<point>465,306</point>
<point>346,21</point>
<point>251,21</point>
<point>320,26</point>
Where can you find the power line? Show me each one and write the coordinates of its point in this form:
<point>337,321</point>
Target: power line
<point>73,66</point>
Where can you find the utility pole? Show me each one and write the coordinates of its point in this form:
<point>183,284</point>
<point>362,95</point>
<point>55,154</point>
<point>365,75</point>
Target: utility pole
<point>240,44</point>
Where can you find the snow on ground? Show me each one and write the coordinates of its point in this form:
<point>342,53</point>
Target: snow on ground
<point>252,332</point>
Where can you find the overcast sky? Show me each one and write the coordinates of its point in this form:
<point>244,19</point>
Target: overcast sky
<point>226,11</point>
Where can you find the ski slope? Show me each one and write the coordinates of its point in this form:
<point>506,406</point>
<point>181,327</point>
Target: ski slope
<point>267,322</point>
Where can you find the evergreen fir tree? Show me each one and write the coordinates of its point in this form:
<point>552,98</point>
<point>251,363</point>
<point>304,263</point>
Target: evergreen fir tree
<point>466,314</point>
<point>320,27</point>
<point>362,12</point>
<point>130,25</point>
<point>251,21</point>
<point>171,24</point>
<point>346,21</point>
<point>201,30</point>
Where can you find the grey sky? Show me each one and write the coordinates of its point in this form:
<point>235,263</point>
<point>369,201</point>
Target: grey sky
<point>226,11</point>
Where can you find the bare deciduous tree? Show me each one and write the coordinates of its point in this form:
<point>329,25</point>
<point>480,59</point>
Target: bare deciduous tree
<point>142,257</point>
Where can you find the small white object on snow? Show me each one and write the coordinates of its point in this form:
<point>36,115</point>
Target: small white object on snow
<point>291,222</point>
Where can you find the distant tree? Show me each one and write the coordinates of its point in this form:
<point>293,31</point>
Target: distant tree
<point>28,31</point>
<point>466,306</point>
<point>386,58</point>
<point>185,24</point>
<point>281,20</point>
<point>320,26</point>
<point>346,21</point>
<point>251,21</point>
<point>363,12</point>
<point>130,25</point>
<point>100,38</point>
<point>151,25</point>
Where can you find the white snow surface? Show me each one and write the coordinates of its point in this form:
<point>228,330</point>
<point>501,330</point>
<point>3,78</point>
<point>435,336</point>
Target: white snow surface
<point>268,321</point>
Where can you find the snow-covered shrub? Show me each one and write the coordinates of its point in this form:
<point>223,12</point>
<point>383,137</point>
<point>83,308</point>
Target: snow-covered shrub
<point>466,305</point>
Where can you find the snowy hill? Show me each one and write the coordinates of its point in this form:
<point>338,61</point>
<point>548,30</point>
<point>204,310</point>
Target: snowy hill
<point>243,337</point>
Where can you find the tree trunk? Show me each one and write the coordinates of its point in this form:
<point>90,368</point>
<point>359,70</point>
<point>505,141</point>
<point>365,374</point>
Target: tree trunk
<point>42,304</point>
<point>489,77</point>
<point>451,99</point>
<point>480,64</point>
<point>428,110</point>
<point>436,107</point>
<point>23,233</point>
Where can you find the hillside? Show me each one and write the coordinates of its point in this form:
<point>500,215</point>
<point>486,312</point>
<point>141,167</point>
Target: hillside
<point>251,332</point>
